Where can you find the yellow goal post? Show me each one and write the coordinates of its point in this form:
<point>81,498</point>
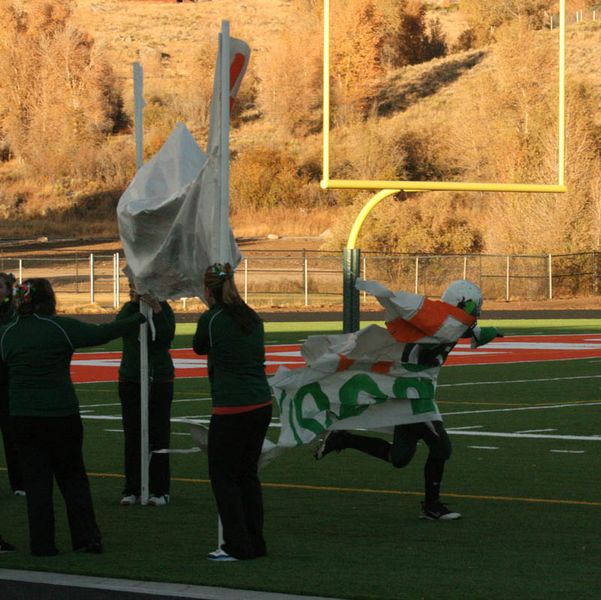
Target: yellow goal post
<point>351,256</point>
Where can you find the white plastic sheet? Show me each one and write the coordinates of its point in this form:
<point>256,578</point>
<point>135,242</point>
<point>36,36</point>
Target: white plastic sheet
<point>173,217</point>
<point>168,220</point>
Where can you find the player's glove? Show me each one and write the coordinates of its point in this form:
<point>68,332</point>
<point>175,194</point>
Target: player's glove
<point>483,335</point>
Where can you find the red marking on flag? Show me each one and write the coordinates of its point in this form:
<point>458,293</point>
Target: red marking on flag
<point>382,366</point>
<point>104,366</point>
<point>344,363</point>
<point>235,70</point>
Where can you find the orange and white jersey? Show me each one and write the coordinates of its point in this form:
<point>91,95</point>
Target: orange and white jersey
<point>411,318</point>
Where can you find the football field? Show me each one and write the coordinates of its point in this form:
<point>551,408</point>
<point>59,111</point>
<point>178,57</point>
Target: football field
<point>524,414</point>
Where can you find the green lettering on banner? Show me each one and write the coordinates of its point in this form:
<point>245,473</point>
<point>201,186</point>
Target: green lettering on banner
<point>323,404</point>
<point>425,393</point>
<point>349,395</point>
<point>280,401</point>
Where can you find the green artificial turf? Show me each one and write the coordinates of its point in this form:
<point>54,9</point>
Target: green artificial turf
<point>347,526</point>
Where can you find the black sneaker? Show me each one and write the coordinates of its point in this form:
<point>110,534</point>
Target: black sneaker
<point>93,547</point>
<point>437,511</point>
<point>332,441</point>
<point>6,547</point>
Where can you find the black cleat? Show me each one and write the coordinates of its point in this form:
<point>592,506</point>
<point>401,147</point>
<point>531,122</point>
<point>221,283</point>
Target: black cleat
<point>437,511</point>
<point>93,547</point>
<point>333,441</point>
<point>6,547</point>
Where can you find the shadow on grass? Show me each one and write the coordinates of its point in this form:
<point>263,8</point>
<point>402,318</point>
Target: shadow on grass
<point>406,88</point>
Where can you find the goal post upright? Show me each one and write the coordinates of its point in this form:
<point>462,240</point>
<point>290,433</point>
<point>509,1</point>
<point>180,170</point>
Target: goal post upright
<point>386,188</point>
<point>561,113</point>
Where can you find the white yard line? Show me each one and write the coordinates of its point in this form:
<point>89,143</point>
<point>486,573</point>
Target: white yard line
<point>469,383</point>
<point>535,430</point>
<point>119,404</point>
<point>484,447</point>
<point>542,380</point>
<point>202,419</point>
<point>520,408</point>
<point>102,417</point>
<point>532,436</point>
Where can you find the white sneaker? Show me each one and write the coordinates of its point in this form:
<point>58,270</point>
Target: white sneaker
<point>129,500</point>
<point>20,493</point>
<point>220,555</point>
<point>159,500</point>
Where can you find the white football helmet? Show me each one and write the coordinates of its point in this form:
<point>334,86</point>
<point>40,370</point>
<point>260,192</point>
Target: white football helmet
<point>464,294</point>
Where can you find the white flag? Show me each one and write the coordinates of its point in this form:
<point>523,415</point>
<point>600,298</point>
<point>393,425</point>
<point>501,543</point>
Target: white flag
<point>169,216</point>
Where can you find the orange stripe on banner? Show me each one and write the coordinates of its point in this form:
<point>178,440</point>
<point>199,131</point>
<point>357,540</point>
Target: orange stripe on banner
<point>433,313</point>
<point>459,314</point>
<point>382,367</point>
<point>344,363</point>
<point>403,331</point>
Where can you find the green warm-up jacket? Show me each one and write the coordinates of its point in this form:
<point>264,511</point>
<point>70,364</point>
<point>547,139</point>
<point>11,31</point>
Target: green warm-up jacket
<point>7,313</point>
<point>37,352</point>
<point>236,361</point>
<point>160,364</point>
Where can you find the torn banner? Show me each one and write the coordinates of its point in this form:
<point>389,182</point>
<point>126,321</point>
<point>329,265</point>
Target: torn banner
<point>169,216</point>
<point>367,380</point>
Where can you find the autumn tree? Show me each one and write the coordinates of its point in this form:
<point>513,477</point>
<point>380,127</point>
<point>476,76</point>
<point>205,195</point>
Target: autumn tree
<point>265,177</point>
<point>414,40</point>
<point>290,75</point>
<point>290,91</point>
<point>59,97</point>
<point>357,38</point>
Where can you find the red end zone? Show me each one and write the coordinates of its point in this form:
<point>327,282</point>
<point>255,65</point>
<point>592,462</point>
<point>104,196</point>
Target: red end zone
<point>103,366</point>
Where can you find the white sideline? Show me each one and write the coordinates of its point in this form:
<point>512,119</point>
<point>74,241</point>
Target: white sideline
<point>146,588</point>
<point>533,436</point>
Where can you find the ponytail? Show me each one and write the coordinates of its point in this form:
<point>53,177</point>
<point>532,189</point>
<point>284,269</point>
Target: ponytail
<point>219,278</point>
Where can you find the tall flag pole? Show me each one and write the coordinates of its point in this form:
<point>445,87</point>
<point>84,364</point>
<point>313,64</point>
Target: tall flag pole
<point>224,172</point>
<point>139,114</point>
<point>144,308</point>
<point>224,200</point>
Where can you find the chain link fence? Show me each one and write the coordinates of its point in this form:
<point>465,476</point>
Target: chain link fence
<point>580,15</point>
<point>314,278</point>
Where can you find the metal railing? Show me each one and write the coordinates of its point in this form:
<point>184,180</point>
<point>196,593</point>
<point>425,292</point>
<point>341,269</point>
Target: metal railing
<point>313,278</point>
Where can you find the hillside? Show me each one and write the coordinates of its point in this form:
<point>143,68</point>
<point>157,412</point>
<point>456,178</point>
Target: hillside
<point>480,115</point>
<point>163,35</point>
